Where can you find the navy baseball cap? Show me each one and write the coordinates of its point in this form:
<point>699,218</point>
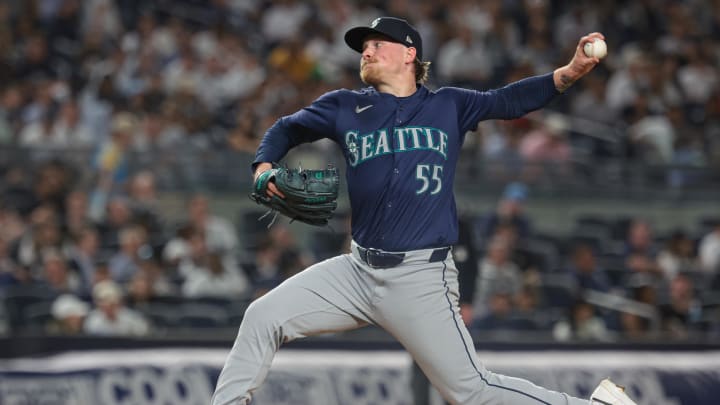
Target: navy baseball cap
<point>396,29</point>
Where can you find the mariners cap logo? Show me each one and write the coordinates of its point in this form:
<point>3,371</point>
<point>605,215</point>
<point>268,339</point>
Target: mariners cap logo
<point>396,29</point>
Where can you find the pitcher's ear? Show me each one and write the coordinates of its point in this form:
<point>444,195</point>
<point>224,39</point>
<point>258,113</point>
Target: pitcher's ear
<point>410,55</point>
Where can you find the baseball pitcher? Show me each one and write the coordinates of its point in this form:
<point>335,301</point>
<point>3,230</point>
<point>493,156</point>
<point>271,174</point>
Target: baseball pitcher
<point>401,142</point>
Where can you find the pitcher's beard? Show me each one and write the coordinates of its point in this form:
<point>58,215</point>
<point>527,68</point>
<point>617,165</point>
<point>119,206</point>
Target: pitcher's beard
<point>368,75</point>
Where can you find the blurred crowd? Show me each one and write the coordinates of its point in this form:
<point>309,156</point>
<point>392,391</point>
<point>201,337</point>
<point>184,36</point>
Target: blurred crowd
<point>608,278</point>
<point>202,75</point>
<point>101,101</point>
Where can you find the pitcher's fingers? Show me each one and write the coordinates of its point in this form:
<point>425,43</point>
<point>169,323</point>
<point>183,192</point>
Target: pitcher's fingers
<point>273,190</point>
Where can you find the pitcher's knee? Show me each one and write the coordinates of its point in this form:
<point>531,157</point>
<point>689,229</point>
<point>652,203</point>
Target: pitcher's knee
<point>259,313</point>
<point>263,317</point>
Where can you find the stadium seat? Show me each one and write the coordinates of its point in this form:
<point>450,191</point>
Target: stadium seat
<point>161,315</point>
<point>617,276</point>
<point>590,220</point>
<point>540,253</point>
<point>598,236</point>
<point>620,226</point>
<point>37,316</point>
<point>18,298</point>
<point>195,315</point>
<point>559,290</point>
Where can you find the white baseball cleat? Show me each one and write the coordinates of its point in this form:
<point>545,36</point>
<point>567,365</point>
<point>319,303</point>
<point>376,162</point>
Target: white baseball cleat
<point>609,393</point>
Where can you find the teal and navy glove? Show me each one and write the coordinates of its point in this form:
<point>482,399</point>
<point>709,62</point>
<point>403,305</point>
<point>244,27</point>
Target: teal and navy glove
<point>310,195</point>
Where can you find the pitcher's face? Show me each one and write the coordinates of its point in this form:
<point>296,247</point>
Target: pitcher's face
<point>381,60</point>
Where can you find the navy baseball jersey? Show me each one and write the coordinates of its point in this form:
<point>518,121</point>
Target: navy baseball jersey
<point>401,153</point>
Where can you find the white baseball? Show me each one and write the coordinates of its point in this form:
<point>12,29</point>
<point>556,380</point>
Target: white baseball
<point>595,49</point>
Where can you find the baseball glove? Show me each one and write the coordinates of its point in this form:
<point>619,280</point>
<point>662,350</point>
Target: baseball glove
<point>310,195</point>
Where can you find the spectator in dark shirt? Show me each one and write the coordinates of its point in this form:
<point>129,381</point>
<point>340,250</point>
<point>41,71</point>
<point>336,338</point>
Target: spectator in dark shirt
<point>681,314</point>
<point>585,268</point>
<point>510,210</point>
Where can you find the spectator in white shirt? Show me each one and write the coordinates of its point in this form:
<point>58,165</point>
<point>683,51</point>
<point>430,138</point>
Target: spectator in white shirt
<point>709,251</point>
<point>220,234</point>
<point>111,316</point>
<point>70,129</point>
<point>210,274</point>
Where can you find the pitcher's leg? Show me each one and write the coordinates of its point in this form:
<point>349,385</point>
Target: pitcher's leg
<point>425,318</point>
<point>312,302</point>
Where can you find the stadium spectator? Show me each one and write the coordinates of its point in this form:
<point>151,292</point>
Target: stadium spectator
<point>502,317</point>
<point>111,158</point>
<point>215,278</point>
<point>642,288</point>
<point>11,102</point>
<point>149,284</point>
<point>210,274</point>
<point>117,214</point>
<point>145,206</point>
<point>497,272</point>
<point>177,248</point>
<point>98,99</point>
<point>682,313</point>
<point>663,91</point>
<point>42,235</point>
<point>627,82</point>
<point>186,83</point>
<point>111,317</point>
<point>283,20</point>
<point>654,137</point>
<point>709,251</point>
<point>590,103</point>
<point>57,276</point>
<point>10,273</point>
<point>584,266</point>
<point>698,77</point>
<point>76,216</point>
<point>69,128</point>
<point>53,181</point>
<point>219,233</point>
<point>711,128</point>
<point>133,250</point>
<point>640,249</point>
<point>546,149</point>
<point>12,225</point>
<point>500,146</point>
<point>463,60</point>
<point>244,137</point>
<point>40,135</point>
<point>678,255</point>
<point>582,324</point>
<point>68,315</point>
<point>35,61</point>
<point>8,268</point>
<point>83,255</point>
<point>157,135</point>
<point>509,210</point>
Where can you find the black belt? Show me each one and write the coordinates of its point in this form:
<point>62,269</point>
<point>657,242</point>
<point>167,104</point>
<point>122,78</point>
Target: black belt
<point>383,260</point>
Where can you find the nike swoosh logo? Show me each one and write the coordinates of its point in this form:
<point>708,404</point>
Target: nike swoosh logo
<point>359,109</point>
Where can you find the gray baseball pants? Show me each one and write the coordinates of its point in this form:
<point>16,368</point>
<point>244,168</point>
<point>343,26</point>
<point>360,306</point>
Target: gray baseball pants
<point>416,302</point>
